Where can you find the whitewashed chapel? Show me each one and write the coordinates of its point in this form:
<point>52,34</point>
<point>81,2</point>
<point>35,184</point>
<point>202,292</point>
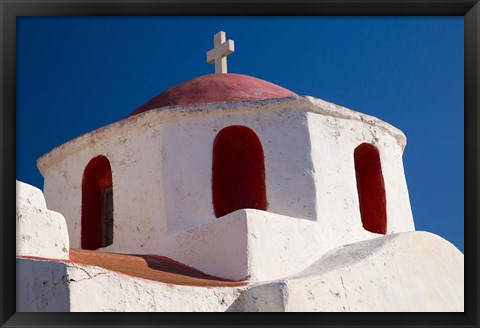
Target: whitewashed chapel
<point>275,201</point>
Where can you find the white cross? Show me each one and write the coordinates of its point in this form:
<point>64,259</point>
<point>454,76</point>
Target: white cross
<point>218,55</point>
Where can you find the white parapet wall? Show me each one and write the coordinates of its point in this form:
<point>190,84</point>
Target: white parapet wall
<point>404,272</point>
<point>254,245</point>
<point>40,232</point>
<point>411,272</point>
<point>53,286</point>
<point>248,245</point>
<point>407,272</point>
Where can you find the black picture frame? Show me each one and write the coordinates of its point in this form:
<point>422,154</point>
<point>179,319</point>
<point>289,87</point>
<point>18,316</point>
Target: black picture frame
<point>10,9</point>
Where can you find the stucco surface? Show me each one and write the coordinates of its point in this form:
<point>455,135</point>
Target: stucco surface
<point>41,286</point>
<point>161,164</point>
<point>248,245</point>
<point>39,231</point>
<point>50,286</point>
<point>405,272</point>
<point>333,141</point>
<point>156,193</point>
<point>124,293</point>
<point>413,271</point>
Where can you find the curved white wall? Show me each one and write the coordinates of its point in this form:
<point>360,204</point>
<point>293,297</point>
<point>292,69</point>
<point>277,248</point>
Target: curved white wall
<point>333,141</point>
<point>161,164</point>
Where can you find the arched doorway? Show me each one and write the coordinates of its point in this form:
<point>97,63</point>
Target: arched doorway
<point>238,171</point>
<point>97,204</point>
<point>371,188</point>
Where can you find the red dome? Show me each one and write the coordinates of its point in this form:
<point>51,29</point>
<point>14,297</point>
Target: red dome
<point>216,88</point>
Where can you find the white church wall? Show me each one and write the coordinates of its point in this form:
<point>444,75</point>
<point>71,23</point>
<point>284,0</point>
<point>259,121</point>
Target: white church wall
<point>165,156</point>
<point>139,211</point>
<point>399,210</point>
<point>175,154</point>
<point>131,151</point>
<point>63,192</point>
<point>334,177</point>
<point>187,166</point>
<point>334,140</point>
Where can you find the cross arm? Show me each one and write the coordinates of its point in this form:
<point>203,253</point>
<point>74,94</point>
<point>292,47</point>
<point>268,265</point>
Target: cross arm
<point>223,50</point>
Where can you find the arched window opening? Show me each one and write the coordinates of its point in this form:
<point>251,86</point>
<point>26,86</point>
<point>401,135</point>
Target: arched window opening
<point>238,171</point>
<point>97,204</point>
<point>371,188</point>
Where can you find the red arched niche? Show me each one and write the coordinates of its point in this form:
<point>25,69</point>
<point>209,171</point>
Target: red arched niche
<point>371,188</point>
<point>97,204</point>
<point>238,171</point>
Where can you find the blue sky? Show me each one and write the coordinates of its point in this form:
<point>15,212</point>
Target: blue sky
<point>76,74</point>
